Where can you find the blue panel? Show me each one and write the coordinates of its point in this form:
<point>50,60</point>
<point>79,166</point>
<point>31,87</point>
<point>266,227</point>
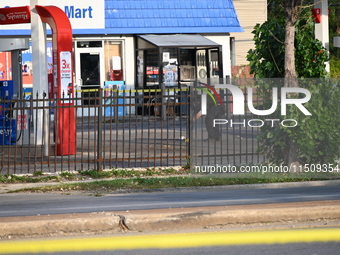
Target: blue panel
<point>109,5</point>
<point>136,5</point>
<point>168,15</point>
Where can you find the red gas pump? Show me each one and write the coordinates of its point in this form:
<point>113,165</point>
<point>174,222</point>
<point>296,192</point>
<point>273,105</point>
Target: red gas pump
<point>63,63</point>
<point>63,79</point>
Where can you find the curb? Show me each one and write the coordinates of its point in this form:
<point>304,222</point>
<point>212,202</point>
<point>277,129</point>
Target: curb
<point>4,188</point>
<point>161,220</point>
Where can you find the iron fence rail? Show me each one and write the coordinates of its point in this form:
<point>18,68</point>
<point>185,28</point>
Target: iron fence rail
<point>144,128</point>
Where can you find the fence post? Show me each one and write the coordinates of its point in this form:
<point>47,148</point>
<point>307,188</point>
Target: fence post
<point>100,132</point>
<point>227,79</point>
<point>164,105</point>
<point>190,116</point>
<point>46,125</point>
<point>115,95</point>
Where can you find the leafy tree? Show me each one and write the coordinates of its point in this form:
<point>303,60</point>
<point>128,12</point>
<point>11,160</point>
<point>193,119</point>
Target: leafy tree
<point>276,14</point>
<point>316,138</point>
<point>267,59</point>
<point>334,30</point>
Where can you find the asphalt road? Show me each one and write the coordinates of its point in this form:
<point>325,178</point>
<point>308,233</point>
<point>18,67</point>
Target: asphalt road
<point>25,204</point>
<point>274,242</point>
<point>277,249</point>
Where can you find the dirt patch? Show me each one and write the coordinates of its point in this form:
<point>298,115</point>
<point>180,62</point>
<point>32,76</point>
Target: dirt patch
<point>308,214</point>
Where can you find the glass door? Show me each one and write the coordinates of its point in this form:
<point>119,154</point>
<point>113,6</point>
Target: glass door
<point>90,69</point>
<point>90,76</point>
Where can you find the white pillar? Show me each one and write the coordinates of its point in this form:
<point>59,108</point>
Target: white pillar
<point>39,61</point>
<point>322,28</point>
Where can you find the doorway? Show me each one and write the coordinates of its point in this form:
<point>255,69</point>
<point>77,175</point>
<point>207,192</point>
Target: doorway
<point>90,74</point>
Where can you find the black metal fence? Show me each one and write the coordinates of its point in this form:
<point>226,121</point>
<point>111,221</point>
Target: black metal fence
<point>220,138</point>
<point>144,128</point>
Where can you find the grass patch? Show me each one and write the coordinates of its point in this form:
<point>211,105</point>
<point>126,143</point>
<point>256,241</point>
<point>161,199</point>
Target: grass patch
<point>38,176</point>
<point>11,178</point>
<point>38,173</point>
<point>140,183</point>
<point>128,173</point>
<point>153,178</point>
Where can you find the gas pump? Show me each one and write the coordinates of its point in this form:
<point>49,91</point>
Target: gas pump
<point>8,127</point>
<point>11,90</point>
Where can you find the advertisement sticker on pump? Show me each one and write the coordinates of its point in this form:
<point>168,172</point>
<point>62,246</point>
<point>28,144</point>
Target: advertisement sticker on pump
<point>66,76</point>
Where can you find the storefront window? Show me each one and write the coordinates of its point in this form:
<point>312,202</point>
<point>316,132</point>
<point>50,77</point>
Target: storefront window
<point>89,44</point>
<point>170,67</point>
<point>201,65</point>
<point>214,67</point>
<point>152,73</point>
<point>188,64</point>
<point>140,69</point>
<point>188,57</point>
<point>113,61</point>
<point>162,61</point>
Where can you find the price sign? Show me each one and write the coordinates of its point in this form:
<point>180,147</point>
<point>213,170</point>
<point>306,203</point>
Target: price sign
<point>22,122</point>
<point>66,74</point>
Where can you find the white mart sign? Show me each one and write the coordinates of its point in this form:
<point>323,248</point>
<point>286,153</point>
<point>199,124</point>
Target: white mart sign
<point>84,14</point>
